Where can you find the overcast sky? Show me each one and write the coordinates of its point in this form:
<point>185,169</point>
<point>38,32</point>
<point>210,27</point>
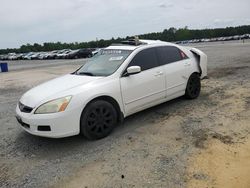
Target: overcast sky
<point>30,21</point>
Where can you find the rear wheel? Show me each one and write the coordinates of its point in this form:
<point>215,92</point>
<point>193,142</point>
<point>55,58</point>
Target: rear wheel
<point>98,120</point>
<point>193,86</point>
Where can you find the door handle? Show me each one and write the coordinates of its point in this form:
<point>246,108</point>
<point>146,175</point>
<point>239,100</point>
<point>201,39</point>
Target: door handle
<point>158,73</point>
<point>187,64</point>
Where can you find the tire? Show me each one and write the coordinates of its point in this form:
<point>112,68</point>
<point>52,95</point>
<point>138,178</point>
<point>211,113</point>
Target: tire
<point>98,120</point>
<point>193,86</point>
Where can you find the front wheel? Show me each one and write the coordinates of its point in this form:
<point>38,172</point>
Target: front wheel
<point>98,120</point>
<point>193,86</point>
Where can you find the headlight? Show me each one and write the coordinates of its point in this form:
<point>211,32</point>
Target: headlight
<point>57,105</point>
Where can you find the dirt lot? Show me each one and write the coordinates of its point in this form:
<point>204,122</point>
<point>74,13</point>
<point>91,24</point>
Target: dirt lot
<point>182,143</point>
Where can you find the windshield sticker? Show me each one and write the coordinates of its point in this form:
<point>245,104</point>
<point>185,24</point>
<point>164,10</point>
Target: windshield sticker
<point>111,52</point>
<point>119,58</point>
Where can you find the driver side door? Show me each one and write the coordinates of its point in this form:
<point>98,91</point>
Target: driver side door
<point>142,90</point>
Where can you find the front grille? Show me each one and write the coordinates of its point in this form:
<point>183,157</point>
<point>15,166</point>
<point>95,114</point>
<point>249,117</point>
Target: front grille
<point>23,108</point>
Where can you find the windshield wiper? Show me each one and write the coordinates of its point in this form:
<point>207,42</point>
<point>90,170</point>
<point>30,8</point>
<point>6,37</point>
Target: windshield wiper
<point>86,73</point>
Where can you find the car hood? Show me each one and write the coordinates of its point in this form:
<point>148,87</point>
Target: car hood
<point>48,90</point>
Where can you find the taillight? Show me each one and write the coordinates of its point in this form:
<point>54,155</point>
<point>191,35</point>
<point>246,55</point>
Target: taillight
<point>183,55</point>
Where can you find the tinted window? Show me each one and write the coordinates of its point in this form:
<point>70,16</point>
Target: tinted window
<point>146,59</point>
<point>168,54</point>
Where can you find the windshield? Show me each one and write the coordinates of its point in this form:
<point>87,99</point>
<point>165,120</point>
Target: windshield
<point>104,63</point>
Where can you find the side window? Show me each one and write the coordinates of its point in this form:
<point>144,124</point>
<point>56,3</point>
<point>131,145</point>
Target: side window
<point>169,54</point>
<point>146,59</point>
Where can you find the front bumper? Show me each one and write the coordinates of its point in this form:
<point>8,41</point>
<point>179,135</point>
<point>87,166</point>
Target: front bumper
<point>56,125</point>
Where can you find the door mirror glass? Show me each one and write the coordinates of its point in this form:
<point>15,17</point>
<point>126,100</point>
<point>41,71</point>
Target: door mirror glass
<point>133,70</point>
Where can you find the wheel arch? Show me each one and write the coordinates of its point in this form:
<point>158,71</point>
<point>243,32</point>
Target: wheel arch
<point>195,72</point>
<point>112,101</point>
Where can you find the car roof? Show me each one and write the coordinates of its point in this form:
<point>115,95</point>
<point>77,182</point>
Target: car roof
<point>128,45</point>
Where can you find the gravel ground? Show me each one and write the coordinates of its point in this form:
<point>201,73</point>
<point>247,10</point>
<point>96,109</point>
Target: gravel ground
<point>154,148</point>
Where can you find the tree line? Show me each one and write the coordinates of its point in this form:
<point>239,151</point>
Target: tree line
<point>170,35</point>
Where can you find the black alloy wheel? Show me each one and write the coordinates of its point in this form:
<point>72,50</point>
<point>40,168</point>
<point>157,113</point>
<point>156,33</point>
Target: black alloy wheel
<point>193,86</point>
<point>98,120</point>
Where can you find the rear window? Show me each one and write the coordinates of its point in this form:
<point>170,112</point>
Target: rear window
<point>169,54</point>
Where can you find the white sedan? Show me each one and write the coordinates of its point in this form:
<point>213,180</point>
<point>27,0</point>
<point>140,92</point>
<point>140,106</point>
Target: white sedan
<point>119,81</point>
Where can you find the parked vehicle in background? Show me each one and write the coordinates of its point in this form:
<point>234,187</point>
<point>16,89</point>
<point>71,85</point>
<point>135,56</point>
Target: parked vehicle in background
<point>51,55</point>
<point>72,54</point>
<point>62,54</point>
<point>35,56</point>
<point>41,55</point>
<point>12,56</point>
<point>44,55</point>
<point>94,52</point>
<point>4,57</point>
<point>28,56</point>
<point>81,53</point>
<point>19,56</point>
<point>246,36</point>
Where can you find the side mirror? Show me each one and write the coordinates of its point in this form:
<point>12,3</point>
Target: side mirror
<point>133,70</point>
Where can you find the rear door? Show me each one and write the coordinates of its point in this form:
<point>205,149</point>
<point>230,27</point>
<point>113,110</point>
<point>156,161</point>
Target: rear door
<point>175,63</point>
<point>145,88</point>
